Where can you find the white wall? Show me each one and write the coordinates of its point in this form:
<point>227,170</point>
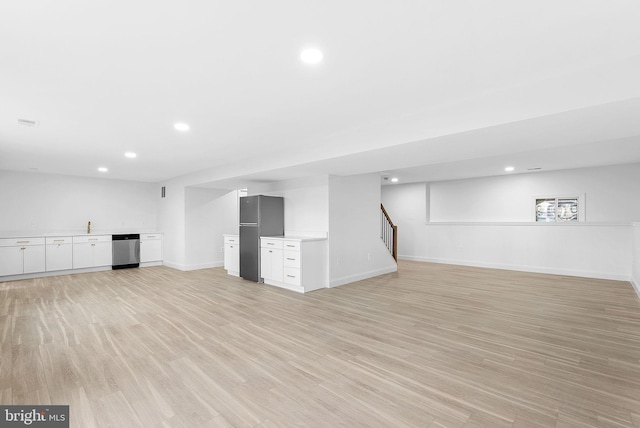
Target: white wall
<point>209,213</point>
<point>589,250</point>
<point>171,221</point>
<point>611,195</point>
<point>34,203</point>
<point>306,203</point>
<point>635,268</point>
<point>355,249</point>
<point>601,247</point>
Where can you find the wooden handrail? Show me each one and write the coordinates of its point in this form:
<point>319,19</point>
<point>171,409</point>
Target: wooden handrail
<point>386,214</point>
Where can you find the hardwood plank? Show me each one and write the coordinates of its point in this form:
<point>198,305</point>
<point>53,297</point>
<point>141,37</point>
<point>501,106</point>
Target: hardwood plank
<point>428,346</point>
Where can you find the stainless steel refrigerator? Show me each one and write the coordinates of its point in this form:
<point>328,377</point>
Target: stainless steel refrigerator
<point>260,215</point>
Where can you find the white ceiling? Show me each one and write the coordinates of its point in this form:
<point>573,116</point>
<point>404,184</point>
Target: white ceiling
<point>425,90</point>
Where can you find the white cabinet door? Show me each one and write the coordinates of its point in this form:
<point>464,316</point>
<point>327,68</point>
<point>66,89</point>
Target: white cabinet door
<point>102,253</point>
<point>265,263</point>
<point>82,255</point>
<point>271,267</point>
<point>22,255</point>
<point>11,261</point>
<point>150,250</point>
<point>92,251</point>
<point>59,257</point>
<point>34,258</point>
<point>232,258</point>
<point>59,253</point>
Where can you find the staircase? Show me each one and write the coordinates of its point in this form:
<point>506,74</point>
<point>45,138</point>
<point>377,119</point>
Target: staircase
<point>389,233</point>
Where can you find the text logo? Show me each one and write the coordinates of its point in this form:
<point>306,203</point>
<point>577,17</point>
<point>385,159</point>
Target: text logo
<point>34,416</point>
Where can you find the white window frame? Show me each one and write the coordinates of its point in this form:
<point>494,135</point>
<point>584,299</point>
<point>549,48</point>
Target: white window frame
<point>581,207</point>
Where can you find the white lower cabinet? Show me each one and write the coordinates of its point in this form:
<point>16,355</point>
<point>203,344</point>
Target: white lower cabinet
<point>232,254</point>
<point>22,255</point>
<point>298,264</point>
<point>271,268</point>
<point>11,261</point>
<point>36,256</point>
<point>150,247</point>
<point>92,251</point>
<point>59,253</point>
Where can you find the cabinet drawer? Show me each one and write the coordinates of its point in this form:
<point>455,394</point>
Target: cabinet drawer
<point>91,238</point>
<point>231,239</point>
<point>292,245</point>
<point>271,243</point>
<point>15,242</point>
<point>56,240</point>
<point>292,258</point>
<point>150,236</point>
<point>292,276</point>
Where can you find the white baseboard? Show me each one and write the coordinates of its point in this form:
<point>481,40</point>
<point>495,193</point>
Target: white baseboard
<point>186,268</point>
<point>363,275</point>
<point>173,265</point>
<point>207,265</point>
<point>522,268</point>
<point>150,264</point>
<point>53,273</point>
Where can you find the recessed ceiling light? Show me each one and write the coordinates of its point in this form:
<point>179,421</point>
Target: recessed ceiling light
<point>394,180</point>
<point>103,169</point>
<point>311,56</point>
<point>182,126</point>
<point>130,155</point>
<point>509,168</point>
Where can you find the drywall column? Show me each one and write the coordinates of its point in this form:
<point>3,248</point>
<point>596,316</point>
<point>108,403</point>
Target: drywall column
<point>356,251</point>
<point>171,221</point>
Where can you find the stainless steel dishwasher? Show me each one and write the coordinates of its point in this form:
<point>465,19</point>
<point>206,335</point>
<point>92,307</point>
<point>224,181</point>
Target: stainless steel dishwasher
<point>126,250</point>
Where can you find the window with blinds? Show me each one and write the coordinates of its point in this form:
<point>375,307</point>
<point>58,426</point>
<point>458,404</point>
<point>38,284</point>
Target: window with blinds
<point>555,209</point>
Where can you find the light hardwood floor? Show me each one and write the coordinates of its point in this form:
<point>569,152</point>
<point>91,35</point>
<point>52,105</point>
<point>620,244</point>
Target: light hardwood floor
<point>430,346</point>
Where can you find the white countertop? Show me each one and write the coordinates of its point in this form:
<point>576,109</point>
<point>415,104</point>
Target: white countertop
<point>296,238</point>
<point>38,234</point>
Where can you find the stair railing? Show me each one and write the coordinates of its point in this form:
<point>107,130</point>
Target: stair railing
<point>389,233</point>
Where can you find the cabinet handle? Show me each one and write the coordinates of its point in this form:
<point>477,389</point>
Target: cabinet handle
<point>23,248</point>
<point>232,240</point>
<point>150,236</point>
<point>271,243</point>
<point>290,245</point>
<point>230,246</point>
<point>289,258</point>
<point>58,240</point>
<point>270,251</point>
<point>93,239</point>
<point>93,245</point>
<point>22,242</point>
<point>291,276</point>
